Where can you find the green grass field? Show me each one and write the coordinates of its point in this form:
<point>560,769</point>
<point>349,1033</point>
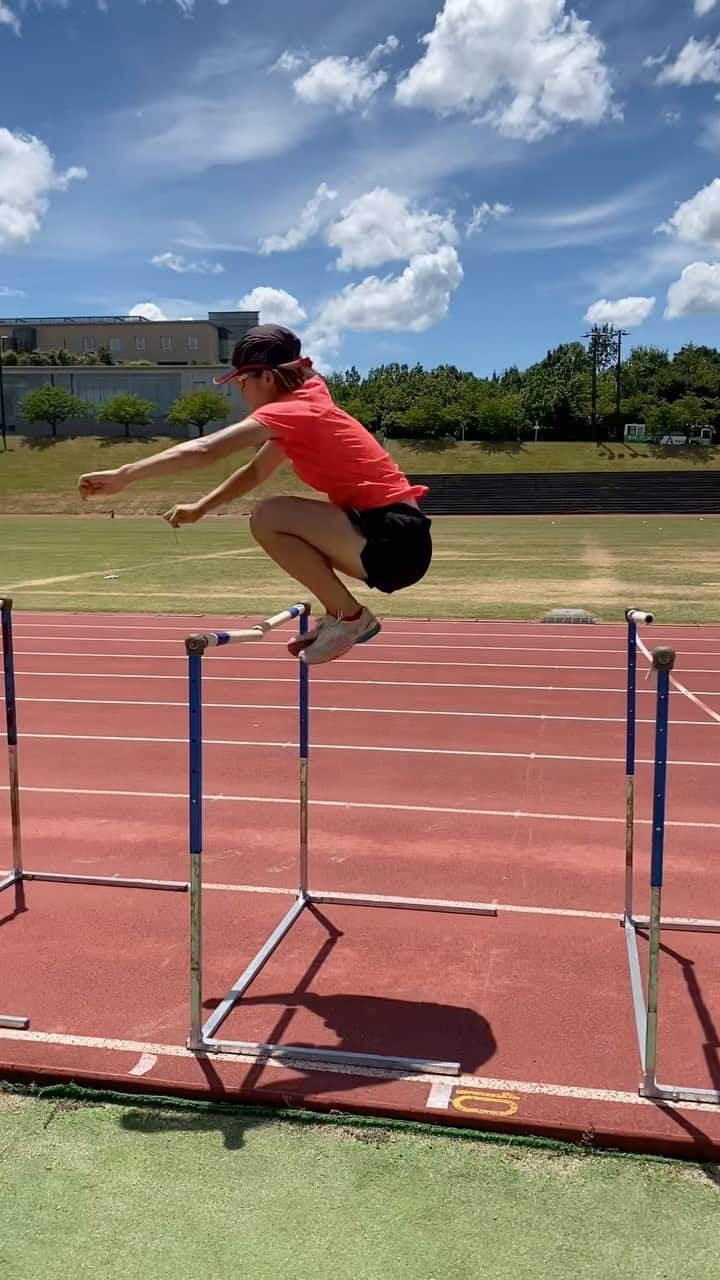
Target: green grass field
<point>41,476</point>
<point>121,1192</point>
<point>484,567</point>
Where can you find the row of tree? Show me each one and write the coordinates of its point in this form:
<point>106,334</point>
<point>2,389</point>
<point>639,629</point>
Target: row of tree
<point>553,396</point>
<point>54,405</point>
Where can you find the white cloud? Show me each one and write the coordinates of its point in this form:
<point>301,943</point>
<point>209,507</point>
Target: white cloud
<point>414,300</point>
<point>178,263</point>
<point>483,213</point>
<point>290,62</point>
<point>696,293</point>
<point>147,311</point>
<point>7,292</point>
<point>697,62</point>
<point>658,61</point>
<point>671,117</point>
<point>27,174</point>
<point>704,6</point>
<point>342,82</point>
<point>529,65</point>
<point>382,226</point>
<point>621,311</point>
<point>8,18</point>
<point>311,218</point>
<point>276,306</point>
<point>697,220</point>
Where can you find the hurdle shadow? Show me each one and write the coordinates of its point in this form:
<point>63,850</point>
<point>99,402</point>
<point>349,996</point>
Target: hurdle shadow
<point>366,1024</point>
<point>14,892</point>
<point>711,1042</point>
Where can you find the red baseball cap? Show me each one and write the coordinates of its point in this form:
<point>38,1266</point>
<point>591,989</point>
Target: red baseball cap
<point>265,347</point>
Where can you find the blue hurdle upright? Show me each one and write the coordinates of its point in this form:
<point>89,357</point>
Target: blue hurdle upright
<point>646,1000</point>
<point>203,1037</point>
<point>18,873</point>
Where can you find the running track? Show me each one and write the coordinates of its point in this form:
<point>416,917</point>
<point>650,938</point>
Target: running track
<point>465,760</point>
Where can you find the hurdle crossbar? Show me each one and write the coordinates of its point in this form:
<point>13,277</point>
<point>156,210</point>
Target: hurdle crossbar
<point>203,1036</point>
<point>19,873</point>
<point>646,1002</point>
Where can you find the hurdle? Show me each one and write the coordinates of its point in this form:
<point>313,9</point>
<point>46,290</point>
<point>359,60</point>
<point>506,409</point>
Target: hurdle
<point>19,874</point>
<point>646,1002</point>
<point>203,1038</point>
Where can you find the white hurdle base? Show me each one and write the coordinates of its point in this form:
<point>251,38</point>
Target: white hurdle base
<point>207,1041</point>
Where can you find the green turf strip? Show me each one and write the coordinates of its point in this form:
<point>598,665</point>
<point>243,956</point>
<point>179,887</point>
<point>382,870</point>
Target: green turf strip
<point>484,567</point>
<point>123,1191</point>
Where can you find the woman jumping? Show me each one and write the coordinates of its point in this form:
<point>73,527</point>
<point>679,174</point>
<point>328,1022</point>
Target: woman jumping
<point>371,529</point>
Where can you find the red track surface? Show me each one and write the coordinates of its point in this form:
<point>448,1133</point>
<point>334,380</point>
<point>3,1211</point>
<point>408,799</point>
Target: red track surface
<point>479,761</point>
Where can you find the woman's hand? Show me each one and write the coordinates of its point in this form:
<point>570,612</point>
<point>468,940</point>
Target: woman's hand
<point>187,513</point>
<point>100,484</point>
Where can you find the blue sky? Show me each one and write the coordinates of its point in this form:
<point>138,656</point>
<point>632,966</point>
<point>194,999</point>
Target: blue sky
<point>461,181</point>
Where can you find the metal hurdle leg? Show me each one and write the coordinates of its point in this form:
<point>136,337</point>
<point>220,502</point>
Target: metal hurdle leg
<point>646,1011</point>
<point>204,1038</point>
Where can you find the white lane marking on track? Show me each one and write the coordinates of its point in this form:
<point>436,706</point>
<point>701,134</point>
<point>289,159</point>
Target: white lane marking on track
<point>365,804</point>
<point>328,680</point>
<point>373,711</point>
<point>268,643</point>
<point>366,659</point>
<point>539,1088</point>
<point>701,633</point>
<point>441,1092</point>
<point>681,687</point>
<point>145,1063</point>
<point>348,746</point>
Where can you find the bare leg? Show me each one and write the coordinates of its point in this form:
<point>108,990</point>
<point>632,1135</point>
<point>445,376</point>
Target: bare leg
<point>309,540</point>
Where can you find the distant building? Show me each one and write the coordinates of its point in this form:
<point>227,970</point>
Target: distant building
<point>162,342</point>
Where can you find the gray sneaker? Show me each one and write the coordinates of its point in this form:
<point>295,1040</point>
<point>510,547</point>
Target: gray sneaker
<point>338,636</point>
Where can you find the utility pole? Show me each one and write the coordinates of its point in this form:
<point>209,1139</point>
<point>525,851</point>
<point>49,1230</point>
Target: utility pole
<point>619,334</point>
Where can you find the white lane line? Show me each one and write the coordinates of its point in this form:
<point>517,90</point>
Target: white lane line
<point>508,908</point>
<point>349,746</point>
<point>389,684</point>
<point>145,1064</point>
<point>442,684</point>
<point>501,666</point>
<point>538,1088</point>
<point>392,626</point>
<point>269,643</point>
<point>372,711</point>
<point>356,660</point>
<point>681,687</point>
<point>363,804</point>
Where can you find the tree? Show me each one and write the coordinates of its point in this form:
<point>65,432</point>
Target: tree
<point>105,355</point>
<point>127,410</point>
<point>198,409</point>
<point>53,405</point>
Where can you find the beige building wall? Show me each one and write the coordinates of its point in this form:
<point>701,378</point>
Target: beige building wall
<point>163,342</point>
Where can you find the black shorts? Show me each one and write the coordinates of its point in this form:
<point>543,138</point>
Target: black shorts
<point>399,546</point>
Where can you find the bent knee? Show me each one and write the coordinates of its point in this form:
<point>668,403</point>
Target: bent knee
<point>263,517</point>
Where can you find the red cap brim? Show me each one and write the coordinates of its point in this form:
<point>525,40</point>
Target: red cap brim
<point>226,377</point>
